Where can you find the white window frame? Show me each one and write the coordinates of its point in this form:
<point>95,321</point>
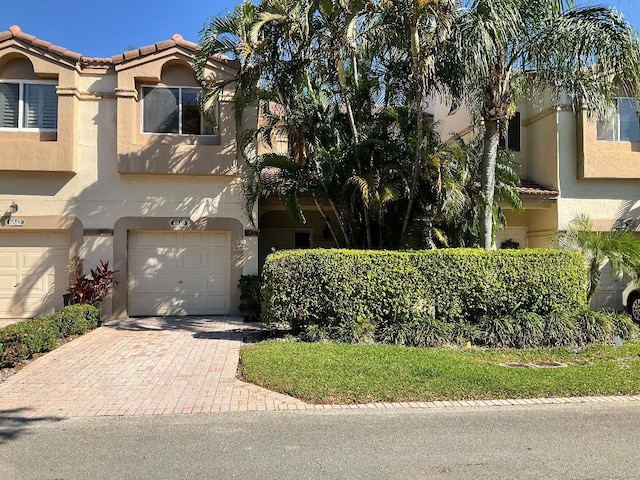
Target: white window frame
<point>216,133</point>
<point>616,116</point>
<point>21,105</point>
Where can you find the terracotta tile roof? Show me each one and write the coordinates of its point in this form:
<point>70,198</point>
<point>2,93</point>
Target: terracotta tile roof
<point>177,40</point>
<point>529,187</point>
<point>15,32</point>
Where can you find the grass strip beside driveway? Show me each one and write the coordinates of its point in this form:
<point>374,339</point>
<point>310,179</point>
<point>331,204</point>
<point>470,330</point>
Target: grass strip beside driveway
<point>343,373</point>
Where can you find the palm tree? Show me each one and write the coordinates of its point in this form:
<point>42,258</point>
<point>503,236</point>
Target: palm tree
<point>618,248</point>
<point>417,28</point>
<point>507,49</point>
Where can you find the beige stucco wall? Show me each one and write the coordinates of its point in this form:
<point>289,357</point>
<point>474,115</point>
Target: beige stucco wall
<point>605,160</point>
<point>604,200</point>
<point>176,154</point>
<point>97,195</point>
<point>40,151</point>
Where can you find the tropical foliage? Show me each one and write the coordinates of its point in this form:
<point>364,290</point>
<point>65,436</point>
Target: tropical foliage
<point>507,49</point>
<point>343,89</point>
<point>619,249</point>
<point>344,86</point>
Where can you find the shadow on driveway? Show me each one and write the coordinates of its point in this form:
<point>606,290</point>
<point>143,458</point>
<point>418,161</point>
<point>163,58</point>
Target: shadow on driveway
<point>202,327</point>
<point>14,422</point>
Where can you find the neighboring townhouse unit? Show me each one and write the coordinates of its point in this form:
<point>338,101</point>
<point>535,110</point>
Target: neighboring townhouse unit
<point>587,166</point>
<point>570,165</point>
<point>111,158</point>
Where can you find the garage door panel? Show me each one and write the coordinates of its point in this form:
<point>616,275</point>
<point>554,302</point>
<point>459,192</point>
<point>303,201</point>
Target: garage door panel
<point>219,240</point>
<point>190,274</point>
<point>170,258</point>
<point>142,239</point>
<point>218,304</point>
<point>197,260</point>
<point>169,305</point>
<point>169,283</point>
<point>9,260</point>
<point>33,272</point>
<point>143,259</point>
<point>215,261</point>
<point>196,239</point>
<point>30,260</point>
<point>218,284</point>
<point>8,282</point>
<point>33,284</point>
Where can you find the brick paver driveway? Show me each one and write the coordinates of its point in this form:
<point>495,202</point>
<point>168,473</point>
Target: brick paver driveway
<point>148,366</point>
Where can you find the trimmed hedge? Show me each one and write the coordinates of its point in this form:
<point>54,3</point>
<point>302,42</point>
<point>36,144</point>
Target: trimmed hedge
<point>250,297</point>
<point>422,296</point>
<point>20,341</point>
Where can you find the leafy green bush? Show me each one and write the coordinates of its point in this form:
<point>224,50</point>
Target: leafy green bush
<point>560,329</point>
<point>498,332</point>
<point>20,341</point>
<point>353,295</point>
<point>76,320</point>
<point>594,327</point>
<point>625,327</point>
<point>423,332</point>
<point>250,297</point>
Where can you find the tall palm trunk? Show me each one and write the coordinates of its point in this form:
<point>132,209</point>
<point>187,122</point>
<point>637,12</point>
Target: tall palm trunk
<point>415,171</point>
<point>488,181</point>
<point>326,220</point>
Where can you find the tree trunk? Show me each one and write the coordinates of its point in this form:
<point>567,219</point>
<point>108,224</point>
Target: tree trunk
<point>347,238</point>
<point>367,223</point>
<point>326,220</point>
<point>415,172</point>
<point>488,182</point>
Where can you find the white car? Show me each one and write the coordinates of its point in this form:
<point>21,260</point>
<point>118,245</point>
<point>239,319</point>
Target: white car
<point>631,301</point>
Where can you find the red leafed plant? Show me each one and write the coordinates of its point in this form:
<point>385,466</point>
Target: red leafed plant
<point>93,289</point>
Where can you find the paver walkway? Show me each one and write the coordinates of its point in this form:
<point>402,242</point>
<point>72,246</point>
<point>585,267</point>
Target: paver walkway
<point>142,367</point>
<point>157,366</point>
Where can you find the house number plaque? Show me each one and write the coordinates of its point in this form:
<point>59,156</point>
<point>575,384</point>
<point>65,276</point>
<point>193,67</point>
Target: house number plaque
<point>179,223</point>
<point>14,222</point>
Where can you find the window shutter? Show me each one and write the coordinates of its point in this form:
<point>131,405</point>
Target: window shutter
<point>9,93</point>
<point>49,107</point>
<point>40,106</point>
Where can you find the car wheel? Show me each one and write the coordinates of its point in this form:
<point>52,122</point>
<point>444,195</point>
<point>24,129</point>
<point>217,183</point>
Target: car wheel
<point>634,309</point>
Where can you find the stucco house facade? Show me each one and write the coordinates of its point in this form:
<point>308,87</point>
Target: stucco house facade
<point>586,166</point>
<point>110,158</point>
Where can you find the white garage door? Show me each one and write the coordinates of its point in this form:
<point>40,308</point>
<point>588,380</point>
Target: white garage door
<point>33,272</point>
<point>179,273</point>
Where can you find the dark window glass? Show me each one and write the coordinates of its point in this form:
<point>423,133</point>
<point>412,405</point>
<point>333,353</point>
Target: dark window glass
<point>160,110</point>
<point>511,138</point>
<point>303,240</point>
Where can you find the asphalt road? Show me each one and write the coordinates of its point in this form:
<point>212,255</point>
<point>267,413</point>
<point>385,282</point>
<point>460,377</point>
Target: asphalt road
<point>585,441</point>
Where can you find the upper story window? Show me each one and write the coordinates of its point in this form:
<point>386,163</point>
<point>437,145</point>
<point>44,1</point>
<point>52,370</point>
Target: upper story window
<point>623,125</point>
<point>28,105</point>
<point>176,110</point>
<point>511,138</point>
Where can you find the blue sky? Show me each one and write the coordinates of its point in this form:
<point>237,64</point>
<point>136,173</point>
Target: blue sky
<point>114,26</point>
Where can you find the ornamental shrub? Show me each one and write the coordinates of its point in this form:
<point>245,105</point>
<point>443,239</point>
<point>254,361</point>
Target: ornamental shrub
<point>20,341</point>
<point>509,298</point>
<point>337,287</point>
<point>250,297</point>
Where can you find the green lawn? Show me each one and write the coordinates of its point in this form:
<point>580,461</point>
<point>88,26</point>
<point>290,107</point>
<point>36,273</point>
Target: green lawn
<point>342,373</point>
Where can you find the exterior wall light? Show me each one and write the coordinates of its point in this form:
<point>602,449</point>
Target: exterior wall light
<point>13,208</point>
